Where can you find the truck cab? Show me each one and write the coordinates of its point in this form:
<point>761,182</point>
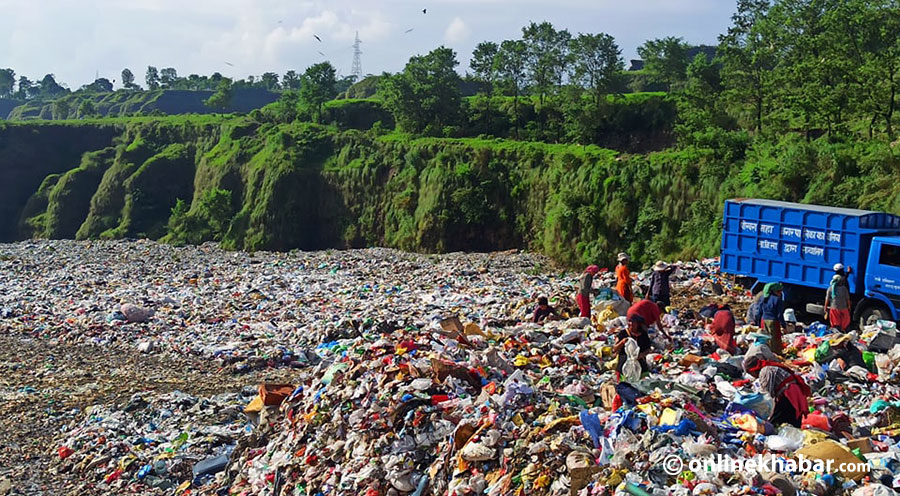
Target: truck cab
<point>882,282</point>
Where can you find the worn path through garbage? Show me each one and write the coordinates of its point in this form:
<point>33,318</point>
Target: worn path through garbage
<point>45,386</point>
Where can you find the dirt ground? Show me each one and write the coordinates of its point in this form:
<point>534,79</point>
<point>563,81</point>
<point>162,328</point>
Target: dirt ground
<point>45,386</point>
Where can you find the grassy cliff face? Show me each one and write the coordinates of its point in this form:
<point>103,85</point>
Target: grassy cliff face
<point>29,154</point>
<point>263,185</point>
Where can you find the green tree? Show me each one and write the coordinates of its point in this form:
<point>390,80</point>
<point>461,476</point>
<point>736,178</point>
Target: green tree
<point>700,99</point>
<point>749,58</point>
<point>168,77</point>
<point>128,80</point>
<point>152,78</point>
<point>269,81</point>
<point>343,84</point>
<point>26,89</point>
<point>512,69</point>
<point>666,60</point>
<point>286,109</point>
<point>597,60</point>
<point>221,99</point>
<point>101,85</point>
<point>548,55</point>
<point>291,80</point>
<point>868,37</point>
<point>214,81</point>
<point>425,97</point>
<point>484,69</point>
<point>49,88</point>
<point>482,63</point>
<point>318,86</point>
<point>7,83</point>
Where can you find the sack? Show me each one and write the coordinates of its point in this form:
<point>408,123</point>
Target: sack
<point>631,370</point>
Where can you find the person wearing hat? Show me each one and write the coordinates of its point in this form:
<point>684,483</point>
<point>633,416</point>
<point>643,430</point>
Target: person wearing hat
<point>586,290</point>
<point>837,299</point>
<point>660,292</point>
<point>623,279</point>
<point>771,311</point>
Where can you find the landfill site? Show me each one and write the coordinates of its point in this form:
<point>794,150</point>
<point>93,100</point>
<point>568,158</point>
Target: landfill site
<point>132,367</point>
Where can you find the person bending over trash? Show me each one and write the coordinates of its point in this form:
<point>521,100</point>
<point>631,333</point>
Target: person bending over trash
<point>788,389</point>
<point>543,311</point>
<point>638,330</point>
<point>772,314</point>
<point>837,299</point>
<point>640,317</point>
<point>586,290</point>
<point>722,328</point>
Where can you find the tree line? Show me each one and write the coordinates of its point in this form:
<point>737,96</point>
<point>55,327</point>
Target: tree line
<point>564,80</point>
<point>806,66</point>
<point>47,88</point>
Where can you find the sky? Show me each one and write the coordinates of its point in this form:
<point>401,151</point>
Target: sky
<point>78,39</point>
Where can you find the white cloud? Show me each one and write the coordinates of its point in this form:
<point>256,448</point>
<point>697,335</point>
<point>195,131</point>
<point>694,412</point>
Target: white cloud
<point>74,39</point>
<point>457,31</point>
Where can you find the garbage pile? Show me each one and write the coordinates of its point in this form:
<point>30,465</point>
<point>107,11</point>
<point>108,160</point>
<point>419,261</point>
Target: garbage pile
<point>536,410</point>
<point>163,442</point>
<point>421,375</point>
<point>250,311</point>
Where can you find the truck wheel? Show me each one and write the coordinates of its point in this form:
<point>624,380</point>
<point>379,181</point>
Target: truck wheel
<point>872,314</point>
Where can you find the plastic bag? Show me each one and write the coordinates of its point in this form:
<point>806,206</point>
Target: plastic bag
<point>760,403</point>
<point>823,351</point>
<point>631,370</point>
<point>789,438</point>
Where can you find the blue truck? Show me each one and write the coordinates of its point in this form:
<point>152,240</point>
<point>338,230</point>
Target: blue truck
<point>798,245</point>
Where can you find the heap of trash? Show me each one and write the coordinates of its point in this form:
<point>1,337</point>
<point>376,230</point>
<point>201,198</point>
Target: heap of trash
<point>422,375</point>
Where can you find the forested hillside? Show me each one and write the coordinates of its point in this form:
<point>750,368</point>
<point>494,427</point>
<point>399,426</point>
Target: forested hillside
<point>552,154</point>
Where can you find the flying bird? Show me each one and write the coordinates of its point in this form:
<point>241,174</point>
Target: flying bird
<point>229,64</point>
<point>317,37</point>
<point>410,30</point>
<point>322,54</point>
<point>424,11</point>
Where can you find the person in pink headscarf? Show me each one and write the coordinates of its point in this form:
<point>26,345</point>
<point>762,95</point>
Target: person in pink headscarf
<point>586,290</point>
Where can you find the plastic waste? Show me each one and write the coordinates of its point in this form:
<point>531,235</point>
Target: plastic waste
<point>631,369</point>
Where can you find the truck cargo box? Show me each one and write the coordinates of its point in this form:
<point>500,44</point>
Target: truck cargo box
<point>799,244</point>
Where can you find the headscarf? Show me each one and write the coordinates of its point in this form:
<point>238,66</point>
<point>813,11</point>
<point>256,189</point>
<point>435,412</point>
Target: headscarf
<point>754,364</point>
<point>771,288</point>
<point>592,270</point>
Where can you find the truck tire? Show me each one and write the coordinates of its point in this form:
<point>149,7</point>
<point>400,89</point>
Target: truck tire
<point>872,314</point>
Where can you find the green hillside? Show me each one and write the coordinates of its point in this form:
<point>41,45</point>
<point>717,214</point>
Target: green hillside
<point>125,103</point>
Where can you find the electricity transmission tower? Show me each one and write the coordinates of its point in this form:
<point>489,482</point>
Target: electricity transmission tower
<point>356,71</point>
